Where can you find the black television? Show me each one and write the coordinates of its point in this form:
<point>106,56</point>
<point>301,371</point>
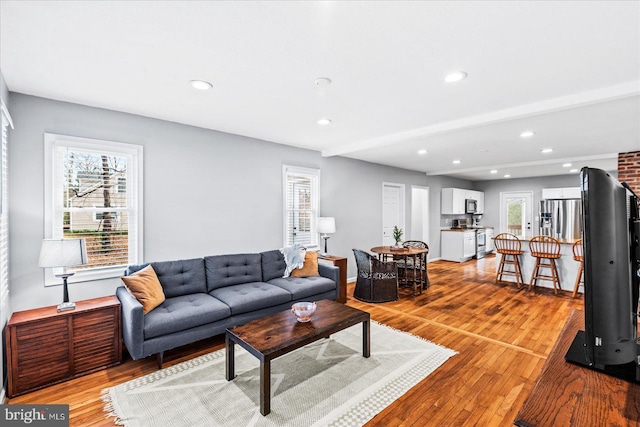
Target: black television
<point>611,235</point>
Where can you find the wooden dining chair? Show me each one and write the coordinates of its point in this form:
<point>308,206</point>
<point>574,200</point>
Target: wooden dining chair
<point>546,250</point>
<point>578,255</point>
<point>510,248</point>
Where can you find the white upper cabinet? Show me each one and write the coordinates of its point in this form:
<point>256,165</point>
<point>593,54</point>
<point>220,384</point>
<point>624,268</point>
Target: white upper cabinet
<point>561,193</point>
<point>453,200</point>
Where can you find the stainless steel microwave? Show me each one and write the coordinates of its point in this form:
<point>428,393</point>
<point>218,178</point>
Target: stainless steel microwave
<point>471,206</point>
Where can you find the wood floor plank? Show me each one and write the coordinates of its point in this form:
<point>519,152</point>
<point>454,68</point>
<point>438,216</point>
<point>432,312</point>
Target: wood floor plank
<point>502,336</point>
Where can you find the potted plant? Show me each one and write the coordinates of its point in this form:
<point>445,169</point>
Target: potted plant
<point>397,236</point>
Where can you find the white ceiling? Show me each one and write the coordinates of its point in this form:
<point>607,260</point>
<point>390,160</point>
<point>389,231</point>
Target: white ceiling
<point>570,71</point>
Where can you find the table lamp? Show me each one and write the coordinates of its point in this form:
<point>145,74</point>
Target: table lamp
<point>326,225</point>
<point>63,253</point>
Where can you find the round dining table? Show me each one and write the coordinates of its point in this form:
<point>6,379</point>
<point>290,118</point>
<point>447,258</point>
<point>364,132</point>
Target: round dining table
<point>417,280</point>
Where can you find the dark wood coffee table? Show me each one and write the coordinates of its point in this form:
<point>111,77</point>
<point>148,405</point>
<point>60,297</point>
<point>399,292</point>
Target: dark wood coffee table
<point>281,333</point>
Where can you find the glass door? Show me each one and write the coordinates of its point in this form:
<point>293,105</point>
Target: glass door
<point>516,213</point>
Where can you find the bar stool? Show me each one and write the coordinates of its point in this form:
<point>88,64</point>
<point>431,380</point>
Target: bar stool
<point>546,250</point>
<point>508,245</point>
<point>578,255</point>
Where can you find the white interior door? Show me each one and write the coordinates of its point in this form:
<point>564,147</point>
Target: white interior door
<point>516,213</point>
<point>392,211</point>
<point>420,214</point>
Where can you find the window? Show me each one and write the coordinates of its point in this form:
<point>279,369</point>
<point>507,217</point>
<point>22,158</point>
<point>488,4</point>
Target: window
<point>105,216</point>
<point>87,196</point>
<point>301,194</point>
<point>122,185</point>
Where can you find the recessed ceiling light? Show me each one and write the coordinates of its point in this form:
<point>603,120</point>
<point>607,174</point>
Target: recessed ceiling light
<point>455,77</point>
<point>493,171</point>
<point>546,150</point>
<point>573,170</point>
<point>507,176</point>
<point>323,81</point>
<point>566,165</point>
<point>324,122</point>
<point>527,134</point>
<point>200,84</point>
<point>456,162</point>
<point>423,151</point>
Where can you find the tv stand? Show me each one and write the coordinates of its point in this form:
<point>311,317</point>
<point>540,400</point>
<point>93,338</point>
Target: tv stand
<point>566,394</point>
<point>576,354</point>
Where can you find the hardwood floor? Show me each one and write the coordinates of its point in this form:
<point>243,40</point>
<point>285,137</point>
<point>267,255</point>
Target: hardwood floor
<point>502,335</point>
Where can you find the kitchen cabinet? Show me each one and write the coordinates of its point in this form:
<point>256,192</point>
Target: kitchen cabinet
<point>561,193</point>
<point>458,245</point>
<point>453,200</point>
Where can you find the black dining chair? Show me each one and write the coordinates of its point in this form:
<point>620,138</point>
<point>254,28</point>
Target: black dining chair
<point>377,280</point>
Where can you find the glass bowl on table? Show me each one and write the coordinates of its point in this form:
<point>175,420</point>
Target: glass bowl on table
<point>303,311</point>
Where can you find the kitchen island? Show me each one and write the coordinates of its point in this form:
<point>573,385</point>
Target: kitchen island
<point>567,267</point>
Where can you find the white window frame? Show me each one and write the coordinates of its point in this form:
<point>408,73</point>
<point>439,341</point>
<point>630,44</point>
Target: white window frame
<point>53,201</point>
<point>4,209</point>
<point>314,174</point>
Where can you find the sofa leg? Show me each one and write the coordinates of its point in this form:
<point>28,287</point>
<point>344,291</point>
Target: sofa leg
<point>160,356</point>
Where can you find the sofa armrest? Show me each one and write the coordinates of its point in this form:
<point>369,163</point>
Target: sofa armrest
<point>132,322</point>
<point>330,272</point>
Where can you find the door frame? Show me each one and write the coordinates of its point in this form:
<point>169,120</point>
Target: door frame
<point>401,207</point>
<point>424,209</point>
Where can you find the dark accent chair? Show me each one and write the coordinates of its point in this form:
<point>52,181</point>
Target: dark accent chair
<point>377,280</point>
<point>421,262</point>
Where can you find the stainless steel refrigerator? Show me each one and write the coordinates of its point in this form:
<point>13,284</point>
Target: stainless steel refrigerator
<point>560,218</point>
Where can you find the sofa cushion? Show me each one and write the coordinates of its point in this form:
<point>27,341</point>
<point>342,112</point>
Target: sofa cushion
<point>310,267</point>
<point>251,296</point>
<point>273,265</point>
<point>177,278</point>
<point>183,312</point>
<point>302,287</point>
<point>145,287</point>
<point>228,270</point>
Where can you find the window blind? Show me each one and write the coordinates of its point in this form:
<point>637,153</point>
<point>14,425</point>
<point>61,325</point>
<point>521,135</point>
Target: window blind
<point>4,222</point>
<point>301,206</point>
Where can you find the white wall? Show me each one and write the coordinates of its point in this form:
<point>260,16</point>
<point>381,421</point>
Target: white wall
<point>205,192</point>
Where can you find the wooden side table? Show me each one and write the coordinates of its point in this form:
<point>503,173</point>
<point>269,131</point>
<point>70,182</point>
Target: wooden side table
<point>341,263</point>
<point>45,347</point>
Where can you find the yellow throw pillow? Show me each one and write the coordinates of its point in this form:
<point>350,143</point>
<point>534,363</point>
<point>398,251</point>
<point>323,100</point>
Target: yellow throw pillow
<point>310,267</point>
<point>145,287</point>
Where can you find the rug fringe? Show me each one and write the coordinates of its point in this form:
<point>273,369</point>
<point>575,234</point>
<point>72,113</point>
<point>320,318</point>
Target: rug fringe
<point>413,335</point>
<point>105,396</point>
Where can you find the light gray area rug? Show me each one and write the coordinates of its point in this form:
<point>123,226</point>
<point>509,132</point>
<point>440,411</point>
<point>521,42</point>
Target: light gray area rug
<point>326,383</point>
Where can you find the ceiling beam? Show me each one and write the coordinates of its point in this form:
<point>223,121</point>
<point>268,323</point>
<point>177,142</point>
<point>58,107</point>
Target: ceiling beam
<point>610,93</point>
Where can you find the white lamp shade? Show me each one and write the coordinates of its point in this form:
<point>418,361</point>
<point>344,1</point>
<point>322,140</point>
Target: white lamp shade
<point>326,225</point>
<point>62,253</point>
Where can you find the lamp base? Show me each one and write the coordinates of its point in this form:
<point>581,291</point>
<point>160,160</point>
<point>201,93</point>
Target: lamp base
<point>65,306</point>
<point>324,254</point>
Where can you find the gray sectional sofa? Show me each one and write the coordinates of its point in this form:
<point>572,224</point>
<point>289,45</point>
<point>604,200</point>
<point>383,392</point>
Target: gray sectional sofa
<point>204,296</point>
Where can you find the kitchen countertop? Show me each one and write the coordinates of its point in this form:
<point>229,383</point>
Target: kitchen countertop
<point>466,229</point>
<point>562,241</point>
